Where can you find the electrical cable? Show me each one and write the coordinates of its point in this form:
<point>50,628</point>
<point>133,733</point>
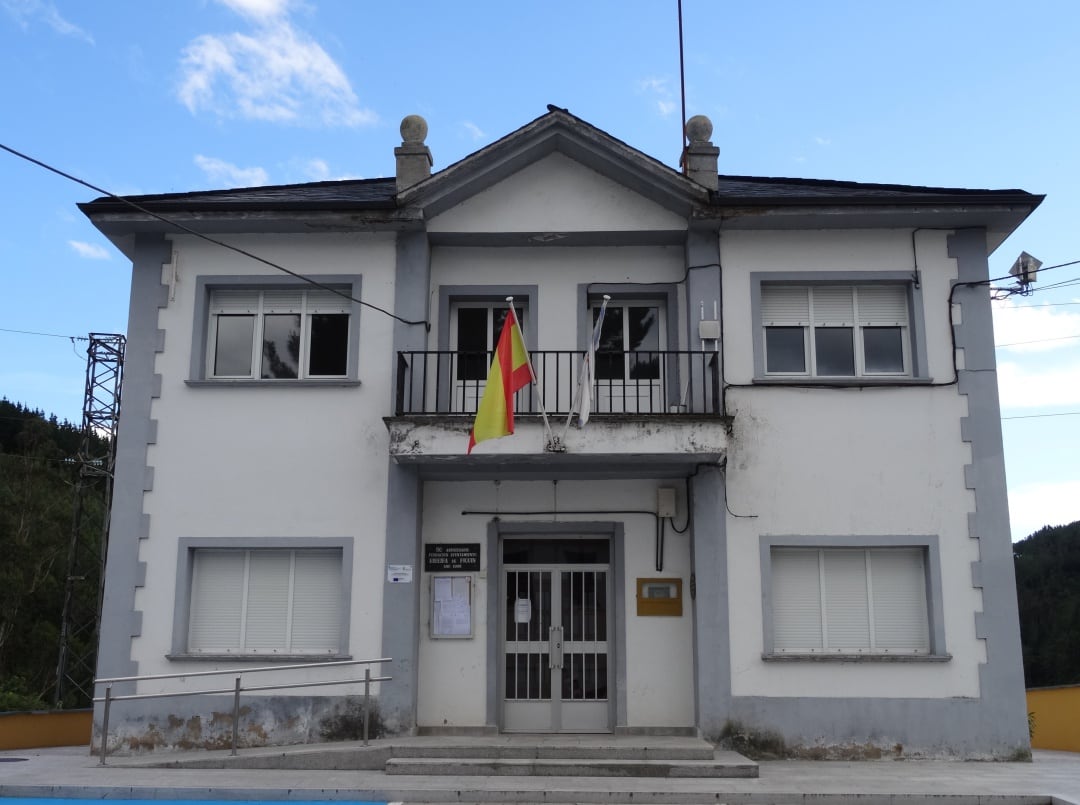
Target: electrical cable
<point>188,230</point>
<point>46,335</point>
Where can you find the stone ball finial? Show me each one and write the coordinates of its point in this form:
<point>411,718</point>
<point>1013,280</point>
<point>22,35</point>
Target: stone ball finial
<point>698,129</point>
<point>413,130</point>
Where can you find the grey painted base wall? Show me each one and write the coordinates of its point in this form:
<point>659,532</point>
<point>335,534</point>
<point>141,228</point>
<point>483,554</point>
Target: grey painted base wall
<point>868,728</point>
<point>206,722</point>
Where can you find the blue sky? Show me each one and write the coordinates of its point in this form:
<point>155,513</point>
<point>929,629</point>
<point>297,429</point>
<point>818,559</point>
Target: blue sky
<point>140,97</point>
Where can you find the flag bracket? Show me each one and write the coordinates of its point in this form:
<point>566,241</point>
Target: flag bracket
<point>555,445</point>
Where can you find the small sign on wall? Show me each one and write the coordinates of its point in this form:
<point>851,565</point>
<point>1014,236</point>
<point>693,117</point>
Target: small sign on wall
<point>399,574</point>
<point>447,557</point>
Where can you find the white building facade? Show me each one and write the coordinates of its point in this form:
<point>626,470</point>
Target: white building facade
<point>786,516</point>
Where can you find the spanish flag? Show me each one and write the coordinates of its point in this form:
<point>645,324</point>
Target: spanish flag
<point>510,371</point>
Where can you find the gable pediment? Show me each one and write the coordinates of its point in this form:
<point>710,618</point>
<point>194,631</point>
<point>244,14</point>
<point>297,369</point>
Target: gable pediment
<point>557,160</point>
<point>557,194</point>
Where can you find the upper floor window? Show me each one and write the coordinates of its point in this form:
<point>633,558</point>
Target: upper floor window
<point>475,330</point>
<point>631,339</point>
<point>836,330</point>
<point>278,334</point>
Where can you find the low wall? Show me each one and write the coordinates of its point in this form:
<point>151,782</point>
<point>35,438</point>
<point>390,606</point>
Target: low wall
<point>1057,717</point>
<point>46,728</point>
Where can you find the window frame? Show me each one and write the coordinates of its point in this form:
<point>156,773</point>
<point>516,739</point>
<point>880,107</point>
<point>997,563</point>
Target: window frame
<point>202,340</point>
<point>928,544</point>
<point>631,294</point>
<point>185,567</point>
<point>914,340</point>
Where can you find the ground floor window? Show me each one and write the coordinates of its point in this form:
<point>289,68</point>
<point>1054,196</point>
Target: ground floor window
<point>265,601</point>
<point>849,600</point>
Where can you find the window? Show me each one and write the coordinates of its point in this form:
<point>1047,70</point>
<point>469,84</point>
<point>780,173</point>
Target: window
<point>833,330</point>
<point>278,334</point>
<point>475,332</point>
<point>630,341</point>
<point>849,600</point>
<point>265,601</point>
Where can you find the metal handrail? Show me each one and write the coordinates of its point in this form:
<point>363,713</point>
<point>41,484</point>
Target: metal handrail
<point>236,690</point>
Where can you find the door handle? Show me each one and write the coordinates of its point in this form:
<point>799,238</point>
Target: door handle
<point>555,655</point>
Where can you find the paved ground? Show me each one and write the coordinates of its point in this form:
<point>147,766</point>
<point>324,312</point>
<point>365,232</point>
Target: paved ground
<point>72,772</point>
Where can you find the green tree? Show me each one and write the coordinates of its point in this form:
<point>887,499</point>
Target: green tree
<point>38,476</point>
<point>1048,594</point>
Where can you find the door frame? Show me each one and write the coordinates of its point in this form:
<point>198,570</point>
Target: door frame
<point>498,530</point>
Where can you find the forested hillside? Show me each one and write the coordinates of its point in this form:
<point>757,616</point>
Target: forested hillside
<point>38,473</point>
<point>1048,591</point>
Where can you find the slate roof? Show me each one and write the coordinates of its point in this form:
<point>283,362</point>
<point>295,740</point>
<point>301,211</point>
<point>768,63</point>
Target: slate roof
<point>380,194</point>
<point>339,195</point>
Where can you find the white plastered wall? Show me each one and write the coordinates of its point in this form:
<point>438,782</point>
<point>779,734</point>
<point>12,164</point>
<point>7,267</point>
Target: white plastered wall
<point>453,681</point>
<point>232,462</point>
<point>846,462</point>
<point>556,194</point>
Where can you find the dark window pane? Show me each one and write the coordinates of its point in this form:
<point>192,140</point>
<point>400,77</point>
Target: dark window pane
<point>784,349</point>
<point>883,350</point>
<point>232,349</point>
<point>835,351</point>
<point>329,345</point>
<point>472,343</point>
<point>609,355</point>
<point>644,326</point>
<point>281,346</point>
<point>556,552</point>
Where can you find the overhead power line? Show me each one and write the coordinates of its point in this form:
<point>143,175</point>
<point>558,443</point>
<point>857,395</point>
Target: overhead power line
<point>1040,416</point>
<point>1037,341</point>
<point>188,230</point>
<point>46,335</point>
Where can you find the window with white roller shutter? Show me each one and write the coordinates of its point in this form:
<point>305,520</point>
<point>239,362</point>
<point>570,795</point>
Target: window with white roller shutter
<point>833,330</point>
<point>277,334</point>
<point>265,601</point>
<point>849,601</point>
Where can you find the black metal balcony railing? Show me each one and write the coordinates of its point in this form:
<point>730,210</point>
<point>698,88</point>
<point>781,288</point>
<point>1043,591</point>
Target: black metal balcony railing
<point>663,382</point>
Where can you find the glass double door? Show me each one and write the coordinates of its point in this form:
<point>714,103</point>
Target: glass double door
<point>556,672</point>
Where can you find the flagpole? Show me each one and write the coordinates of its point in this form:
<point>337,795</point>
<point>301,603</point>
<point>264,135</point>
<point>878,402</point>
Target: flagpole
<point>553,443</point>
<point>586,365</point>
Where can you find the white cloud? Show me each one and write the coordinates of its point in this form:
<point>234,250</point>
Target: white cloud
<point>318,170</point>
<point>276,73</point>
<point>1036,387</point>
<point>1033,506</point>
<point>219,171</point>
<point>1025,328</point>
<point>91,251</point>
<point>474,131</point>
<point>665,99</point>
<point>25,11</point>
<point>258,9</point>
<point>823,141</point>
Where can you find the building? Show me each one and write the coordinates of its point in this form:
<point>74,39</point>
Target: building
<point>785,517</point>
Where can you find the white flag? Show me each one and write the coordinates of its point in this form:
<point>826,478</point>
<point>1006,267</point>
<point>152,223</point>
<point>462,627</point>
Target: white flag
<point>588,368</point>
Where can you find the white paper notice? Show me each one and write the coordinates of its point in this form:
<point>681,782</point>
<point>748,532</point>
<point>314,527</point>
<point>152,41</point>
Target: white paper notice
<point>522,610</point>
<point>399,574</point>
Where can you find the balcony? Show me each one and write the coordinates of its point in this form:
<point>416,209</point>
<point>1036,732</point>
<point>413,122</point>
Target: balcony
<point>652,413</point>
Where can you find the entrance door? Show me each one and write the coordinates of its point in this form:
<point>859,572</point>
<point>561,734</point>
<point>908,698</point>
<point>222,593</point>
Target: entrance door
<point>556,674</point>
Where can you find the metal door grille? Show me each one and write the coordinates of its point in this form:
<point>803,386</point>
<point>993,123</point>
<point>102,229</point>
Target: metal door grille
<point>583,596</point>
<point>528,671</point>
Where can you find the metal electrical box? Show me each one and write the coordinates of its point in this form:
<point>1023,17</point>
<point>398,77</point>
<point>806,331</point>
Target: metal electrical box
<point>665,502</point>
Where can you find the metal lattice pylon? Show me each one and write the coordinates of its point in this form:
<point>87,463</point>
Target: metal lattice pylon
<point>85,580</point>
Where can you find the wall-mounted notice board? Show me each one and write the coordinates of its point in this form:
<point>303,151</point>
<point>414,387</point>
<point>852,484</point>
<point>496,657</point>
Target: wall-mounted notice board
<point>451,606</point>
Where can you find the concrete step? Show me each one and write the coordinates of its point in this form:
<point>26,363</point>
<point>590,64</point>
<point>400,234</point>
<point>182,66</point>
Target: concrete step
<point>569,748</point>
<point>723,765</point>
